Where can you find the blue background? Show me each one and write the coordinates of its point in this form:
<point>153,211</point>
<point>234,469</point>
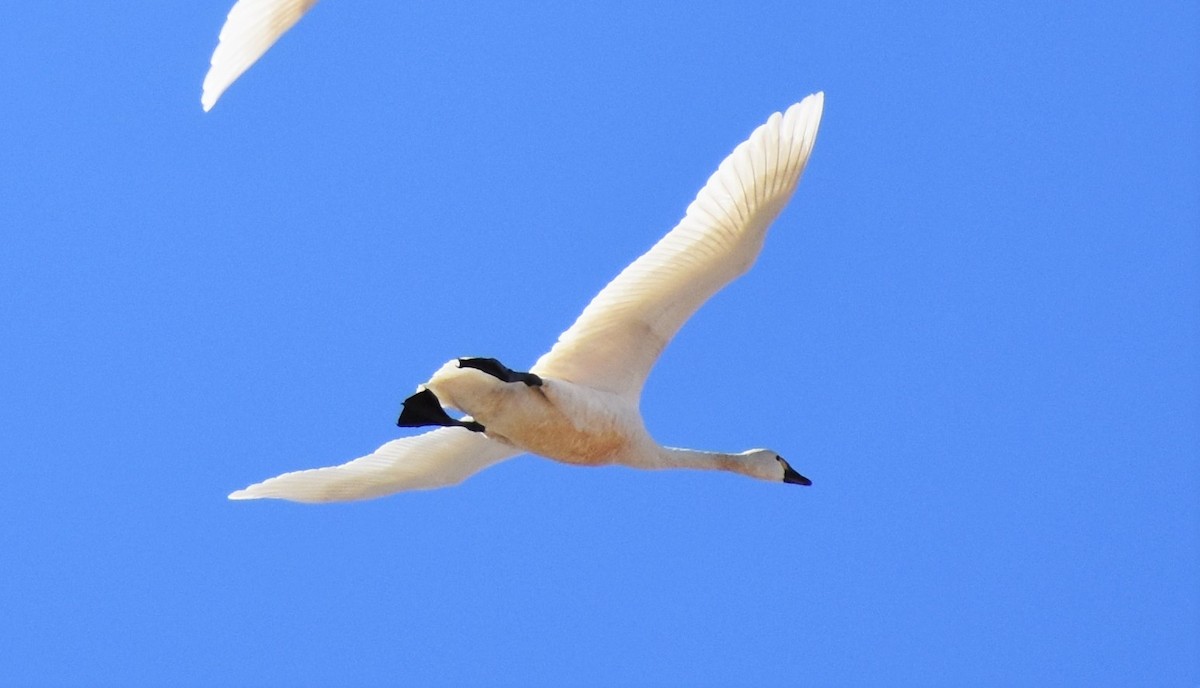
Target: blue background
<point>976,328</point>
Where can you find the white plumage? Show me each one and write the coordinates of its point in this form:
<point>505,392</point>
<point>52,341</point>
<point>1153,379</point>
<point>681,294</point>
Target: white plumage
<point>444,457</point>
<point>251,28</point>
<point>584,409</point>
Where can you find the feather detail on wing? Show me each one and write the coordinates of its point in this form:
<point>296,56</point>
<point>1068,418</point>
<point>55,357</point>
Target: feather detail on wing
<point>251,28</point>
<point>441,458</point>
<point>617,339</point>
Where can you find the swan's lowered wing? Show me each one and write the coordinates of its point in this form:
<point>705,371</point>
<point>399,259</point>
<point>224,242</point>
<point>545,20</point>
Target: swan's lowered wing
<point>618,337</point>
<point>251,28</point>
<point>441,458</point>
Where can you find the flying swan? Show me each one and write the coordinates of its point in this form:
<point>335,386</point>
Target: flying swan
<point>251,28</point>
<point>579,402</point>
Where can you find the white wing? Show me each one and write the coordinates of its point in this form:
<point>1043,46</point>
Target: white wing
<point>251,28</point>
<point>618,337</point>
<point>444,457</point>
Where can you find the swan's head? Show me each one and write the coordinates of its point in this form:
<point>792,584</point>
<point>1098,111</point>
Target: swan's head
<point>770,466</point>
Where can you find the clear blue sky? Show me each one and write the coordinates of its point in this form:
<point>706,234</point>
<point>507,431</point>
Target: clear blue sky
<point>976,328</point>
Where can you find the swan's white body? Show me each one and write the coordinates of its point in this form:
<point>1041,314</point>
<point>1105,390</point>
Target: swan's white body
<point>251,28</point>
<point>585,412</point>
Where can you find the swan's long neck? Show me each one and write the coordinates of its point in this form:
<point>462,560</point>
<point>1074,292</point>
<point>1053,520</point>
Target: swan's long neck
<point>748,463</point>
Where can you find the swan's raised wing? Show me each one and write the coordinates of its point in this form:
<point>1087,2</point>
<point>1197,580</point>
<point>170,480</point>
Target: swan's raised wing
<point>620,334</point>
<point>251,28</point>
<point>444,457</point>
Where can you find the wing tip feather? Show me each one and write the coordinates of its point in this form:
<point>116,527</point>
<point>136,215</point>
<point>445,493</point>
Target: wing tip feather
<point>241,495</point>
<point>249,31</point>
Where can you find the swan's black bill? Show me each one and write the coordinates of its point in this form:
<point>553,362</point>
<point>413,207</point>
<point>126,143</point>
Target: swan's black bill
<point>790,475</point>
<point>500,371</point>
<point>423,408</point>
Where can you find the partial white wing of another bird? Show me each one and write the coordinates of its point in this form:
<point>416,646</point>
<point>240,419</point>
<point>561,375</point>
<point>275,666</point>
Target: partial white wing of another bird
<point>444,457</point>
<point>617,339</point>
<point>251,28</point>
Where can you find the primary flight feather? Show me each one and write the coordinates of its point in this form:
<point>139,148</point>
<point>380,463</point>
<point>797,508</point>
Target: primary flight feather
<point>578,404</point>
<point>251,28</point>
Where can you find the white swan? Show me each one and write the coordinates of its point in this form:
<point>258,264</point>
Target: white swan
<point>579,402</point>
<point>251,28</point>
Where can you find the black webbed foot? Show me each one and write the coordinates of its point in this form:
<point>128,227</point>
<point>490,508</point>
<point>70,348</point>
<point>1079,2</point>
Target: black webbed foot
<point>423,408</point>
<point>499,371</point>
